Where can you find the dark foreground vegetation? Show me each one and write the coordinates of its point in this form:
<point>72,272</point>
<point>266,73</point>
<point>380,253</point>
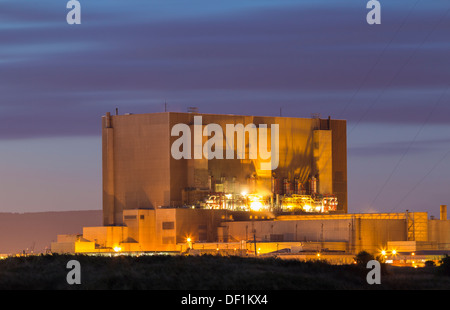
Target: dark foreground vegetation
<point>48,272</point>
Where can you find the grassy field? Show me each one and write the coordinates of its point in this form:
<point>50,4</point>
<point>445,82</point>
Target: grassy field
<point>48,272</point>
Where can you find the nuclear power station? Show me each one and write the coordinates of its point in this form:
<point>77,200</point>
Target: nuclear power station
<point>239,185</point>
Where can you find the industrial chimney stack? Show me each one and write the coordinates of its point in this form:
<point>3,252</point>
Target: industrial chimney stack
<point>443,212</point>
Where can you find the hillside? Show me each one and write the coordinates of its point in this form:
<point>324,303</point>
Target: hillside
<point>22,231</point>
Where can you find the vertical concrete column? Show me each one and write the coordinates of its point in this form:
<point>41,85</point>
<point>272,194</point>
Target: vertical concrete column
<point>443,212</point>
<point>108,170</point>
<point>323,160</point>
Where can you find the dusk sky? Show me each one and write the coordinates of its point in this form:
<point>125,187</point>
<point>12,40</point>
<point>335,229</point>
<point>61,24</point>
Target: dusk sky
<point>389,81</point>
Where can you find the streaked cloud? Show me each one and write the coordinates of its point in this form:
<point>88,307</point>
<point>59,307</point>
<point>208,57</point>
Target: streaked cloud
<point>234,57</point>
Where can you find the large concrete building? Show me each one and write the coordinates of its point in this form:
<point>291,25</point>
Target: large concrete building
<point>139,171</point>
<point>161,193</point>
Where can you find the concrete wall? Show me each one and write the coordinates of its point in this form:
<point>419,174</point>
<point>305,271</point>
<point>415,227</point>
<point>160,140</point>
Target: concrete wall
<point>439,233</point>
<point>63,247</point>
<point>167,229</point>
<point>70,244</point>
<point>289,231</point>
<point>359,233</point>
<point>162,229</point>
<point>106,236</point>
<point>339,166</point>
<point>199,225</point>
<point>323,159</point>
<point>145,229</point>
<point>140,173</point>
<point>67,238</point>
<point>138,176</point>
<point>372,235</point>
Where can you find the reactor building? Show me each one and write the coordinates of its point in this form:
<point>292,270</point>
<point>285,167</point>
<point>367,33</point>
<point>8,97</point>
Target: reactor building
<point>236,184</point>
<point>140,171</point>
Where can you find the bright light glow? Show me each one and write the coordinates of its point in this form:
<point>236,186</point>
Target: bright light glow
<point>188,239</point>
<point>307,208</point>
<point>244,193</point>
<point>383,252</point>
<point>256,206</point>
<point>394,252</point>
<point>117,248</point>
